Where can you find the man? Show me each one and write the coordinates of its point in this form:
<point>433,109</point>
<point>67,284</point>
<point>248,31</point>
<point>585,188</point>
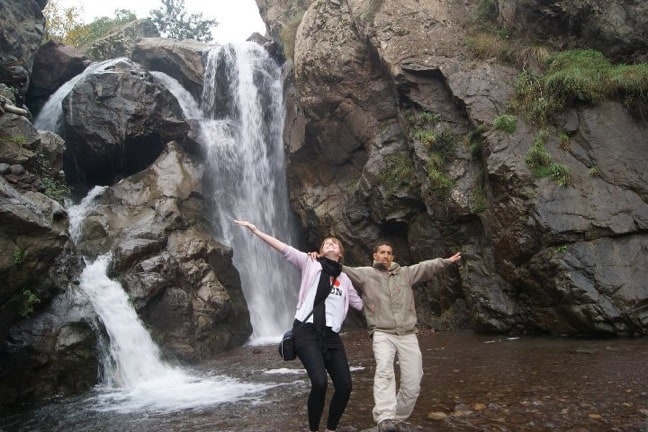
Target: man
<point>386,289</point>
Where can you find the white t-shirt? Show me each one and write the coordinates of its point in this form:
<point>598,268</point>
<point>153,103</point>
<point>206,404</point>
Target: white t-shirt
<point>334,305</point>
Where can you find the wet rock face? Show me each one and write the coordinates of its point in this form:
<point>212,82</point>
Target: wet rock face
<point>367,72</point>
<point>116,123</point>
<point>182,282</point>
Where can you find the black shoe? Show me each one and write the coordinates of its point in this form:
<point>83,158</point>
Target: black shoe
<point>404,427</point>
<point>386,426</point>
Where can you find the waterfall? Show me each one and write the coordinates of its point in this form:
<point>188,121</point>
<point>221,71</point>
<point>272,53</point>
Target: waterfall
<point>250,174</point>
<point>135,376</point>
<point>50,117</point>
<point>134,357</point>
<point>243,141</point>
<point>242,117</point>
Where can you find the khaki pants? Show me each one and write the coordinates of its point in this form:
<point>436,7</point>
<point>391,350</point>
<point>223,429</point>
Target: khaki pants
<point>388,403</point>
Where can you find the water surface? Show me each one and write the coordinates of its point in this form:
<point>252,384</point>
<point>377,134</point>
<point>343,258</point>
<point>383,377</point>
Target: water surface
<point>471,383</point>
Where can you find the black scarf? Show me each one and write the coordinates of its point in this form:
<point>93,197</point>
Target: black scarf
<point>330,269</point>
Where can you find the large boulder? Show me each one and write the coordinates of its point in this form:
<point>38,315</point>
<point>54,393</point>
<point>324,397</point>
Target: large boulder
<point>181,60</point>
<point>116,123</point>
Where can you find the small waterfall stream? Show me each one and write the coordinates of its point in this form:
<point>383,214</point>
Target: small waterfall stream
<point>50,116</point>
<point>135,376</point>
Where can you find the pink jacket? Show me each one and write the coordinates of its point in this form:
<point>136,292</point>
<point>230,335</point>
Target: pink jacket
<point>310,274</point>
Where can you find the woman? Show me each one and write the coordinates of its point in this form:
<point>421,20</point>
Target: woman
<point>325,294</point>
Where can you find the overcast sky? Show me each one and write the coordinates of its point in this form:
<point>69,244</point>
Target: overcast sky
<point>237,19</point>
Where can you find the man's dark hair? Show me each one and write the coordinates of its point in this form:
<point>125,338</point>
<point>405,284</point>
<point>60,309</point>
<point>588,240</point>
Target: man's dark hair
<point>382,242</point>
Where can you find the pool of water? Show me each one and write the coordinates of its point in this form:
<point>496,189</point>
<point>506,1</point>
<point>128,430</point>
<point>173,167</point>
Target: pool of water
<point>471,383</point>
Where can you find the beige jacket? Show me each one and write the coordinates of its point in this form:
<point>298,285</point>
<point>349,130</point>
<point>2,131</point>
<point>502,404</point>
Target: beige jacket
<point>387,294</point>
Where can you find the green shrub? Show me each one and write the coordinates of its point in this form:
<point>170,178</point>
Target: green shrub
<point>580,77</point>
<point>577,76</point>
<point>541,163</point>
<point>53,182</point>
<point>420,120</point>
<point>530,99</point>
<point>505,122</point>
<point>439,180</point>
<point>594,172</point>
<point>399,172</point>
<point>537,156</point>
<point>442,147</point>
<point>26,303</point>
<point>427,117</point>
<point>19,256</point>
<point>55,189</point>
<point>14,139</point>
<point>425,136</point>
<point>288,34</point>
<point>564,140</point>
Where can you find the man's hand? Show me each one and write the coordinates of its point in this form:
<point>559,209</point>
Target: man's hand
<point>313,255</point>
<point>456,257</point>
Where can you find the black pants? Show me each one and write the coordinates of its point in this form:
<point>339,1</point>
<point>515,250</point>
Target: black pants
<point>317,363</point>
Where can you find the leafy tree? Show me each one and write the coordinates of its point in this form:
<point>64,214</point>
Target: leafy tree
<point>59,21</point>
<point>99,27</point>
<point>64,24</point>
<point>173,21</point>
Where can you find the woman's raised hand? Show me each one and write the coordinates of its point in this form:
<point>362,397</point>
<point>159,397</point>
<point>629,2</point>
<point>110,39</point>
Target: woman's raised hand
<point>245,224</point>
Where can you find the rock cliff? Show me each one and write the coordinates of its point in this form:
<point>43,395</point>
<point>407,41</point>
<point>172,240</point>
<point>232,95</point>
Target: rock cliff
<point>393,133</point>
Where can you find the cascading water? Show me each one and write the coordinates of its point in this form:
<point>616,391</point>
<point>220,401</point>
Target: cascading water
<point>135,376</point>
<point>242,120</point>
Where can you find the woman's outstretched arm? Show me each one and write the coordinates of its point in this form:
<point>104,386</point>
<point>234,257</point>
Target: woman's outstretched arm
<point>275,243</point>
